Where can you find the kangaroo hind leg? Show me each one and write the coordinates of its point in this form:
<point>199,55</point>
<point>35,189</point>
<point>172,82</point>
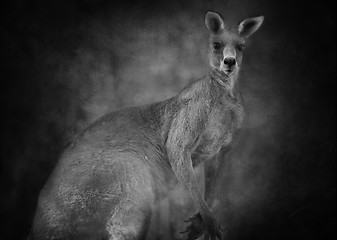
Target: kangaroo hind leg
<point>129,222</point>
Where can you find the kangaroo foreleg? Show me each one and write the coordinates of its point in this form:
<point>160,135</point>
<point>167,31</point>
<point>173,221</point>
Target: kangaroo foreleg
<point>203,222</point>
<point>214,170</point>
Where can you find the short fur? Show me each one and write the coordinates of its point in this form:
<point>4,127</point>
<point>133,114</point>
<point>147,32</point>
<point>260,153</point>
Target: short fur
<point>108,179</point>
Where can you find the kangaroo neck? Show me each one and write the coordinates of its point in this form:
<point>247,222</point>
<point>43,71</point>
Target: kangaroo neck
<point>225,81</point>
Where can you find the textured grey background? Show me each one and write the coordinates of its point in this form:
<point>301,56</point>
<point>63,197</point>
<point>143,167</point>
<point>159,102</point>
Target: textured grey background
<point>66,63</point>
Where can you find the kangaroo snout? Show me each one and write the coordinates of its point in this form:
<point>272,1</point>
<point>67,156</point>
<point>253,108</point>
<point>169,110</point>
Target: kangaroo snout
<point>229,61</point>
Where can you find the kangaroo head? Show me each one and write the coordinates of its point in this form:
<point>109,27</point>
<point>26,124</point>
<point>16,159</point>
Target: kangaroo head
<point>226,45</point>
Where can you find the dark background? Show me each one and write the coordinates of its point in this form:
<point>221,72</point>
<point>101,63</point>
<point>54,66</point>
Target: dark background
<point>66,63</point>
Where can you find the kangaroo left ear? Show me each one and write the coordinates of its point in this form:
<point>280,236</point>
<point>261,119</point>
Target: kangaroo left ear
<point>249,26</point>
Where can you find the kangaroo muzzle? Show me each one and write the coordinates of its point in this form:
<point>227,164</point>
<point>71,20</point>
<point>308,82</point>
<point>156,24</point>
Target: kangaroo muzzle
<point>228,65</point>
<point>229,62</point>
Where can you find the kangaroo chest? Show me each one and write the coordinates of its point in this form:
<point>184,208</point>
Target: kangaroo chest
<point>221,125</point>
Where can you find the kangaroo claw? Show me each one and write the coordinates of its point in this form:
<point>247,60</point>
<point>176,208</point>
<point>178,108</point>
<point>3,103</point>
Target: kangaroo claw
<point>198,227</point>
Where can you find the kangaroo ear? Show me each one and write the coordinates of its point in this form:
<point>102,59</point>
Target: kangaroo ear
<point>249,26</point>
<point>214,22</point>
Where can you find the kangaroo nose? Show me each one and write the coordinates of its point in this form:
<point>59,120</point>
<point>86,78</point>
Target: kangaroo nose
<point>230,61</point>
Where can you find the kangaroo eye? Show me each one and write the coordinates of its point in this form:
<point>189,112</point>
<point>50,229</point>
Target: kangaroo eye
<point>216,46</point>
<point>240,47</point>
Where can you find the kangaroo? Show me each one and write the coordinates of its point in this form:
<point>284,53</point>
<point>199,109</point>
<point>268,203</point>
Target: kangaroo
<point>109,178</point>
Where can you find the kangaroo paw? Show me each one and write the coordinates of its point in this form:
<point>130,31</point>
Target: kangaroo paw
<point>198,227</point>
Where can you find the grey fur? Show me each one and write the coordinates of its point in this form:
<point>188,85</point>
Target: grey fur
<point>107,181</point>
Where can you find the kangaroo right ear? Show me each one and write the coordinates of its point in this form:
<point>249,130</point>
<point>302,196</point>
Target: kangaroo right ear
<point>214,22</point>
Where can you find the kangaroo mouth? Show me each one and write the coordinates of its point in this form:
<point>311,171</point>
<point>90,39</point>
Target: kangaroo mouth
<point>228,71</point>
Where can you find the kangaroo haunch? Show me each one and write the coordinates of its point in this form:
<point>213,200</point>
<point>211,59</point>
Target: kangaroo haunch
<point>108,180</point>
